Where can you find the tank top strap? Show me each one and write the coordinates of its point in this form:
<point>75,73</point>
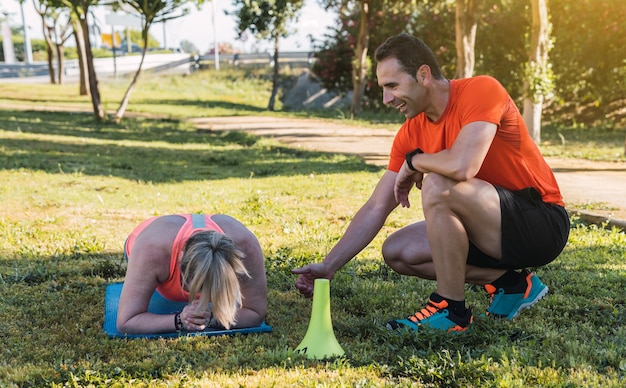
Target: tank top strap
<point>198,221</point>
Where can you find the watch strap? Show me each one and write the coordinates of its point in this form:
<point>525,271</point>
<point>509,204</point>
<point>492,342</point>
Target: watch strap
<point>409,158</point>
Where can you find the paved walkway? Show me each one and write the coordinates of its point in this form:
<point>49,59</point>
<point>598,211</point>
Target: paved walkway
<point>594,190</point>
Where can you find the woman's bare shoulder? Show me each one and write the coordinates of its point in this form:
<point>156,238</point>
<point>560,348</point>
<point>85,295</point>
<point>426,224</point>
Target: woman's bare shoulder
<point>156,240</point>
<point>231,226</point>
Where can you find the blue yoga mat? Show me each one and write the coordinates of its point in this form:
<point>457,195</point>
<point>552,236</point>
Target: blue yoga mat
<point>160,305</point>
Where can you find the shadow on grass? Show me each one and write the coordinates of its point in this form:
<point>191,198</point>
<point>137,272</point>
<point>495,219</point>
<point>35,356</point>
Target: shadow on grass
<point>204,103</point>
<point>62,269</point>
<point>43,100</point>
<point>151,150</point>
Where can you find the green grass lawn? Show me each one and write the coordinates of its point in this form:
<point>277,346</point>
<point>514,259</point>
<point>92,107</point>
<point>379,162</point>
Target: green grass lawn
<point>72,190</point>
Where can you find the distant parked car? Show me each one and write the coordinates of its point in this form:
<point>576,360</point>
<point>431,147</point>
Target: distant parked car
<point>123,49</point>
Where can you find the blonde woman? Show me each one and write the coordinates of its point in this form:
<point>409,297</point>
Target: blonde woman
<point>211,261</point>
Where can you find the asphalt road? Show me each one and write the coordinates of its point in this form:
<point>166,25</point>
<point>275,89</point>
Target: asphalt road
<point>106,67</point>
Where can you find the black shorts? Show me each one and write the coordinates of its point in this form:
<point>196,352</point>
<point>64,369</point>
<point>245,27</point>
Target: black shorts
<point>533,232</point>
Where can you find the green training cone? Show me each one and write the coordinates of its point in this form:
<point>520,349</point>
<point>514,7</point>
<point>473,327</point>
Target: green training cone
<point>319,341</point>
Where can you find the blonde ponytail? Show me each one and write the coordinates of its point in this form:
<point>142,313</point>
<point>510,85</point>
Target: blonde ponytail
<point>210,267</point>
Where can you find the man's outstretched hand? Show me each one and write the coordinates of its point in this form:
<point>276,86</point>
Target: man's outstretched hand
<point>308,274</point>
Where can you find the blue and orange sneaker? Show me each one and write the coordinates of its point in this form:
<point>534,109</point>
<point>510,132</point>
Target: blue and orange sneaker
<point>435,315</point>
<point>509,303</point>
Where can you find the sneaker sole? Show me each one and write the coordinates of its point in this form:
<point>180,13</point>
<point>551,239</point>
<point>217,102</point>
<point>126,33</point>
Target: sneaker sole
<point>408,325</point>
<point>529,303</point>
<point>402,324</point>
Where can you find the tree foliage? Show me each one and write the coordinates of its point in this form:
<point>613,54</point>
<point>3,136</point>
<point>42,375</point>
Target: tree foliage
<point>366,16</point>
<point>424,19</point>
<point>268,20</point>
<point>333,63</point>
<point>588,56</point>
<point>136,36</point>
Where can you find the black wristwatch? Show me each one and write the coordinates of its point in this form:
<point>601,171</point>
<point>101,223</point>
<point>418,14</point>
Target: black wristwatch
<point>409,158</point>
<point>178,323</point>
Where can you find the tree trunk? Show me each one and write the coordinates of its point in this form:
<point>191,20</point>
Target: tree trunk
<point>465,32</point>
<point>532,116</point>
<point>537,65</point>
<point>275,76</point>
<point>122,108</point>
<point>60,69</point>
<point>80,50</point>
<point>359,64</point>
<point>49,51</point>
<point>48,39</point>
<point>50,59</point>
<point>60,38</point>
<point>119,114</point>
<point>96,102</point>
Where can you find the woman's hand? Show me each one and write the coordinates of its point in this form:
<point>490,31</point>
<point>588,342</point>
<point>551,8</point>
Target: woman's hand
<point>194,319</point>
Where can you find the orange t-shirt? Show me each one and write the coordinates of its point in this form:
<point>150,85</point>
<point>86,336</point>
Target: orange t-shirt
<point>172,288</point>
<point>513,160</point>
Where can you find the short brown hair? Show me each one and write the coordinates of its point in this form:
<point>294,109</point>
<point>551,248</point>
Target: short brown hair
<point>411,52</point>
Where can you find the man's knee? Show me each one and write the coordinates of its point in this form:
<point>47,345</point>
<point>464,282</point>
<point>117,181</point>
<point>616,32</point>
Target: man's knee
<point>389,251</point>
<point>439,190</point>
<point>435,188</point>
<point>405,260</point>
<point>397,251</point>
